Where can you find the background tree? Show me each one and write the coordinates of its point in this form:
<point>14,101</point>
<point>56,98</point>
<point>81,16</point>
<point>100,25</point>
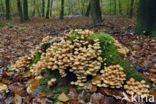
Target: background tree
<point>20,10</point>
<point>7,9</point>
<point>43,8</point>
<point>25,9</point>
<point>120,9</point>
<point>48,9</point>
<point>115,7</point>
<point>131,9</point>
<point>95,11</point>
<point>51,7</point>
<point>146,21</point>
<point>88,10</point>
<point>62,9</point>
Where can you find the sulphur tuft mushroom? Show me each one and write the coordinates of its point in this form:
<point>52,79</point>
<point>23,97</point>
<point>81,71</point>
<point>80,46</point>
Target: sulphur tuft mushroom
<point>82,57</point>
<point>3,88</point>
<point>21,63</point>
<point>137,88</point>
<point>112,76</point>
<point>123,51</point>
<point>52,82</point>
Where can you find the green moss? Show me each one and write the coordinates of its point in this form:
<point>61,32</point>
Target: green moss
<point>44,80</point>
<point>48,74</point>
<point>153,33</point>
<point>56,92</point>
<point>35,60</point>
<point>109,51</point>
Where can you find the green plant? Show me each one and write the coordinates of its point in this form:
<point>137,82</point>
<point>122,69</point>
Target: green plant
<point>22,28</point>
<point>2,24</point>
<point>10,24</point>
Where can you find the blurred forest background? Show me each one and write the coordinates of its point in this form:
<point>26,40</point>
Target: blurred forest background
<point>71,7</point>
<point>144,10</point>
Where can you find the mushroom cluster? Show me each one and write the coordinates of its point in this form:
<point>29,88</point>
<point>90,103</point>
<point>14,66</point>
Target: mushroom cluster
<point>52,82</point>
<point>137,88</point>
<point>79,56</point>
<point>35,51</point>
<point>83,33</point>
<point>46,39</point>
<point>21,63</point>
<point>3,88</point>
<point>121,49</point>
<point>112,76</point>
<point>87,60</point>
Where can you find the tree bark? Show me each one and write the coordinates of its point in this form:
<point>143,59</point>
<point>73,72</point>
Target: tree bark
<point>131,9</point>
<point>95,11</point>
<point>43,8</point>
<point>20,10</point>
<point>146,21</point>
<point>7,2</point>
<point>48,9</point>
<point>88,10</point>
<point>25,9</point>
<point>62,9</point>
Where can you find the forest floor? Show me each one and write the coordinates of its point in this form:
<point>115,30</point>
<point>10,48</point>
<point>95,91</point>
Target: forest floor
<point>17,39</point>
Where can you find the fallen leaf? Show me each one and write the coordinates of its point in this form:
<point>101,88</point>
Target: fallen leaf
<point>63,97</point>
<point>17,99</point>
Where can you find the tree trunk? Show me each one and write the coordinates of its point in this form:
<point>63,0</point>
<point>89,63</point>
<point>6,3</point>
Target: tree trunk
<point>95,11</point>
<point>62,9</point>
<point>7,2</point>
<point>115,7</point>
<point>48,9</point>
<point>110,5</point>
<point>20,10</point>
<point>128,8</point>
<point>51,7</point>
<point>120,10</point>
<point>43,8</point>
<point>38,11</point>
<point>131,9</point>
<point>25,9</point>
<point>88,10</point>
<point>146,21</point>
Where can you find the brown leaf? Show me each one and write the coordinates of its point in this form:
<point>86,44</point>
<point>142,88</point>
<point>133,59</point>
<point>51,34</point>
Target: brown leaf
<point>96,98</point>
<point>32,84</point>
<point>6,81</point>
<point>9,100</point>
<point>93,89</point>
<point>72,93</point>
<point>112,92</point>
<point>153,92</point>
<point>17,99</point>
<point>40,100</point>
<point>16,88</point>
<point>107,100</point>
